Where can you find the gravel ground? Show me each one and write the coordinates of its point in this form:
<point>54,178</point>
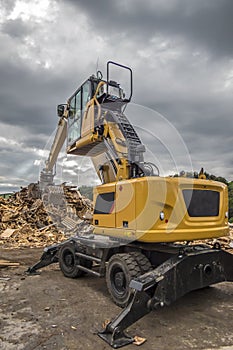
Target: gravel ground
<point>49,311</point>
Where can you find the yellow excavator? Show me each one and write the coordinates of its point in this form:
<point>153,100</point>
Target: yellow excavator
<point>144,225</point>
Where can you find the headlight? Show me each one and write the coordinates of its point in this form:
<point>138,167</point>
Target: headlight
<point>161,215</point>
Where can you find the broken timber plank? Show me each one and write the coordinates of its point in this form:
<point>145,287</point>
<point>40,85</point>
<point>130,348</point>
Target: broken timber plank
<point>6,263</point>
<point>8,233</point>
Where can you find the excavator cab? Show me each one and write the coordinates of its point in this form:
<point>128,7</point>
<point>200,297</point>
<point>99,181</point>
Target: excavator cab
<point>88,113</point>
<point>77,106</point>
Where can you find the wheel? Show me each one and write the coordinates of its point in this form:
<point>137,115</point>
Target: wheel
<point>68,261</point>
<point>121,269</point>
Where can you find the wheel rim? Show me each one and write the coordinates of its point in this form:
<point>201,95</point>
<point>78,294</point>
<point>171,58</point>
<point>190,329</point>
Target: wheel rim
<point>118,282</point>
<point>68,259</point>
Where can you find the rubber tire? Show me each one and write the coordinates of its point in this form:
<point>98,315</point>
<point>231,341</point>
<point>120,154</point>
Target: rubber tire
<point>68,261</point>
<point>142,261</point>
<point>123,267</point>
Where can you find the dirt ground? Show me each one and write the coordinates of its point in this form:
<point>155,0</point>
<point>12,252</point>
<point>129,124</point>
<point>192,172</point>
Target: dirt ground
<point>49,311</point>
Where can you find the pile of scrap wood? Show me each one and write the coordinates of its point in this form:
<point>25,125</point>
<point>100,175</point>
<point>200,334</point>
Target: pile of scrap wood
<point>225,242</point>
<point>36,222</point>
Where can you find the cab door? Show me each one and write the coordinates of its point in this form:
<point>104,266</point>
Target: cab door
<point>75,118</point>
<point>87,109</point>
<point>78,112</point>
<point>104,206</point>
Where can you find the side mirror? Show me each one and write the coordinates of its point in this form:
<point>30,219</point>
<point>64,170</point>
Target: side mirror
<point>60,110</point>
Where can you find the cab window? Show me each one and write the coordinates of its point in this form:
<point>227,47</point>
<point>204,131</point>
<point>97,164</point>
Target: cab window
<point>85,95</point>
<point>77,109</point>
<point>75,118</point>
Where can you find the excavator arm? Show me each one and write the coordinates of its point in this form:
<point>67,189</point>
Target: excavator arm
<point>48,173</point>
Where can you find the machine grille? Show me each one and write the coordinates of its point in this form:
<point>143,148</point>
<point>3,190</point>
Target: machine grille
<point>201,203</point>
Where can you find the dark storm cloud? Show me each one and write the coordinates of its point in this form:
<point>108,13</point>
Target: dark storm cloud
<point>187,89</point>
<point>207,24</point>
<point>28,98</point>
<point>16,28</point>
<point>207,118</point>
<point>35,140</point>
<point>17,166</point>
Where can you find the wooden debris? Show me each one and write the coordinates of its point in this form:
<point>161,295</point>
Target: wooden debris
<point>28,221</point>
<point>6,263</point>
<point>225,242</point>
<point>105,323</point>
<point>139,340</point>
<point>5,279</point>
<point>7,233</point>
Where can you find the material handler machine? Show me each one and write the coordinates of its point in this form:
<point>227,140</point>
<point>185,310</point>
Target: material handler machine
<point>143,223</point>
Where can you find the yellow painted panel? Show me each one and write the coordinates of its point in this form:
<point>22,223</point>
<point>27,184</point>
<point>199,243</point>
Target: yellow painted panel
<point>165,194</point>
<point>88,120</point>
<point>140,202</point>
<point>125,204</point>
<point>105,220</point>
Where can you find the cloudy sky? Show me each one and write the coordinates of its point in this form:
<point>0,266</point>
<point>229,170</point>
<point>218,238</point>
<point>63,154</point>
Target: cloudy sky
<point>181,54</point>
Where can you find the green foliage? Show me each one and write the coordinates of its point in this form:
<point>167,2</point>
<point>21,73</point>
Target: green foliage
<point>6,195</point>
<point>86,191</point>
<point>216,178</point>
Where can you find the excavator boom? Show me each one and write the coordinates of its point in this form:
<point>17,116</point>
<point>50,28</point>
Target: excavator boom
<point>48,173</point>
